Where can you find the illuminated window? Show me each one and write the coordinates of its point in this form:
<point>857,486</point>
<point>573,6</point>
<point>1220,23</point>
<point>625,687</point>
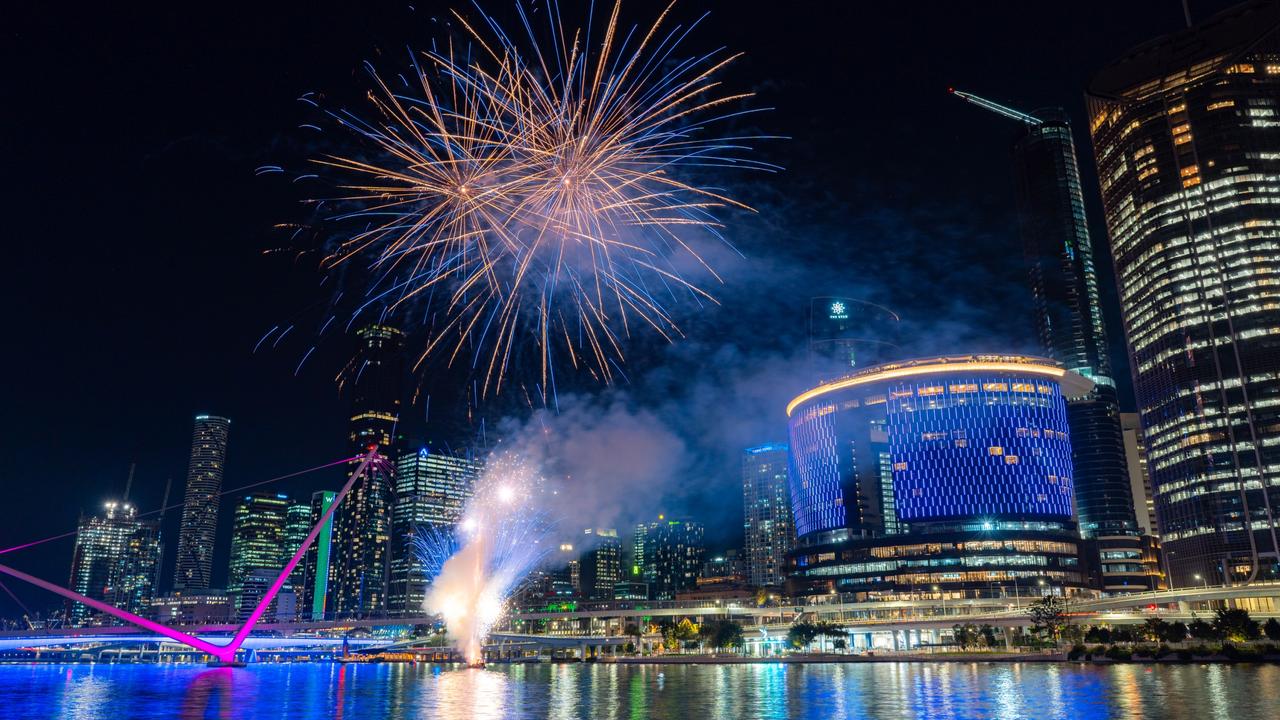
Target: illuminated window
<point>1177,108</point>
<point>1044,389</point>
<point>1240,68</point>
<point>1190,170</point>
<point>1023,387</point>
<point>995,387</point>
<point>1148,172</point>
<point>1010,459</point>
<point>995,450</point>
<point>964,388</point>
<point>931,390</point>
<point>1191,182</point>
<point>899,466</point>
<point>962,443</point>
<point>900,393</point>
<point>1221,104</point>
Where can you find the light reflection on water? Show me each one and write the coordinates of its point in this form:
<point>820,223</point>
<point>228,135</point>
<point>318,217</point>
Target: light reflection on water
<point>611,692</point>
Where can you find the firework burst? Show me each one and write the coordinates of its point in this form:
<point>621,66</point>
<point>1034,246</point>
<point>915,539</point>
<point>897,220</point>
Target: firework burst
<point>500,538</point>
<point>538,193</point>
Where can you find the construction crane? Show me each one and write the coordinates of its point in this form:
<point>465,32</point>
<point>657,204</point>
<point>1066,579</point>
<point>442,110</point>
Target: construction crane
<point>997,108</point>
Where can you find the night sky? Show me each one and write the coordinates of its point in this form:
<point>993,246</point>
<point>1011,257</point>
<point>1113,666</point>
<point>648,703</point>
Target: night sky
<point>136,284</point>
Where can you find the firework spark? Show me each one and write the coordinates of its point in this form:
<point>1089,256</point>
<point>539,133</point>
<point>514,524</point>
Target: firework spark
<point>538,193</point>
<point>501,537</point>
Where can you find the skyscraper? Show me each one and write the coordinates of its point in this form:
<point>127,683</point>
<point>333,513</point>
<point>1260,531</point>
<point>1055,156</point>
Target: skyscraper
<point>1186,137</point>
<point>1068,320</point>
<point>297,525</point>
<point>1135,452</point>
<point>199,525</point>
<point>314,595</point>
<point>600,567</point>
<point>673,556</point>
<point>116,560</point>
<point>431,490</point>
<point>257,537</point>
<point>766,512</point>
<point>360,565</point>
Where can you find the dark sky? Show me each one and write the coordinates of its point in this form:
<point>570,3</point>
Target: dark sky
<point>136,285</point>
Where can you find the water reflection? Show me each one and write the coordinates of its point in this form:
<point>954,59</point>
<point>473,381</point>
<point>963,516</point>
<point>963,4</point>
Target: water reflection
<point>470,693</point>
<point>632,692</point>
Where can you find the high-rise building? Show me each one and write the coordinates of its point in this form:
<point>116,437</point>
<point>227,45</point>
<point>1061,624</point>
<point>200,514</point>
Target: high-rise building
<point>981,473</point>
<point>673,557</point>
<point>1135,453</point>
<point>766,512</point>
<point>431,490</point>
<point>314,595</point>
<point>1186,137</point>
<point>257,537</point>
<point>636,571</point>
<point>600,567</point>
<point>199,526</point>
<point>116,560</point>
<point>297,525</point>
<point>361,562</point>
<point>1068,319</point>
<point>846,333</point>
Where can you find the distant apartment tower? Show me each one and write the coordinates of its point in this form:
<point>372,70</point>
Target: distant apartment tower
<point>673,557</point>
<point>116,560</point>
<point>766,511</point>
<point>1135,452</point>
<point>431,490</point>
<point>600,567</point>
<point>297,525</point>
<point>360,566</point>
<point>198,529</point>
<point>1186,137</point>
<point>258,539</point>
<point>313,597</point>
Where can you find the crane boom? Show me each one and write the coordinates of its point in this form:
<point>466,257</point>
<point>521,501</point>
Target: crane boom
<point>997,108</point>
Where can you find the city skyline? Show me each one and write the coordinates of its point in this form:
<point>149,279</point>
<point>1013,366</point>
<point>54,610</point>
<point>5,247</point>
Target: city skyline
<point>322,426</point>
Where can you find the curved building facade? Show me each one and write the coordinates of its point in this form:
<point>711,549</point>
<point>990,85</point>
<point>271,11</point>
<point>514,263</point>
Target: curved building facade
<point>947,471</point>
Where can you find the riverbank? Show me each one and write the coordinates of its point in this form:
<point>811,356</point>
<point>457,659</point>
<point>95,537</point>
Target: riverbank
<point>806,658</point>
<point>957,657</point>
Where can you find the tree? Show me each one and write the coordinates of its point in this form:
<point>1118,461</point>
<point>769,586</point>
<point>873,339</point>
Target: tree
<point>1176,632</point>
<point>1049,615</point>
<point>1272,629</point>
<point>1201,630</point>
<point>1235,625</point>
<point>1154,630</point>
<point>720,634</point>
<point>830,630</point>
<point>839,644</point>
<point>988,635</point>
<point>801,634</point>
<point>966,636</point>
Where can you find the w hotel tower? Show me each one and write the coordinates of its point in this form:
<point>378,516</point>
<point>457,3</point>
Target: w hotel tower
<point>1186,135</point>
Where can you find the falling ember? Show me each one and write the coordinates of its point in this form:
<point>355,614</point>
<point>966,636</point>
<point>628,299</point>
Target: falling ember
<point>501,538</point>
<point>538,194</point>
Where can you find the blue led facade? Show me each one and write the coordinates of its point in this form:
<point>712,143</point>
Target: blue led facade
<point>980,445</point>
<point>967,438</point>
<point>817,497</point>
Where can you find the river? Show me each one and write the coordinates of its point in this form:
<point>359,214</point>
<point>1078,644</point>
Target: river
<point>938,691</point>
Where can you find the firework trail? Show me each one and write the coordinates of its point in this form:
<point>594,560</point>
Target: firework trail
<point>502,536</point>
<point>533,190</point>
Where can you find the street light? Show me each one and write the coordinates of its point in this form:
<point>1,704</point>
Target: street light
<point>944,599</point>
<point>1203,581</point>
